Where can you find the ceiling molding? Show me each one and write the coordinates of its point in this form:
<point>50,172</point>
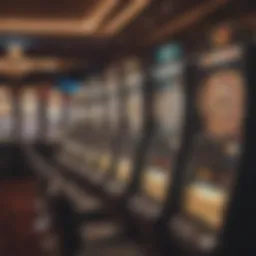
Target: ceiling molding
<point>99,13</point>
<point>122,19</point>
<point>186,20</point>
<point>67,27</point>
<point>46,27</point>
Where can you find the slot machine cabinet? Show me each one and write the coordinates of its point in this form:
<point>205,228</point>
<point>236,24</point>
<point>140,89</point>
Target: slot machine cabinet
<point>132,130</point>
<point>218,176</point>
<point>7,140</point>
<point>156,181</point>
<point>96,135</point>
<point>73,144</point>
<point>78,145</point>
<point>107,139</point>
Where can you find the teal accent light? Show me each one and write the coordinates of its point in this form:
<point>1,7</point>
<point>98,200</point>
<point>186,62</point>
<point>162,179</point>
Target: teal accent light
<point>168,52</point>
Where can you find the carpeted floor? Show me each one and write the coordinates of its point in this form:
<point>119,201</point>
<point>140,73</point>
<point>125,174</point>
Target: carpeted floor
<point>17,218</point>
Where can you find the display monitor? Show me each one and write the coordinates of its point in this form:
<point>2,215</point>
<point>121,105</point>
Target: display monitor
<point>30,116</point>
<point>6,113</point>
<point>54,114</point>
<point>135,116</point>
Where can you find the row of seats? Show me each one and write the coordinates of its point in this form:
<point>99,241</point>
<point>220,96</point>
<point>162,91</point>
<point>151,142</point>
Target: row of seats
<point>159,158</point>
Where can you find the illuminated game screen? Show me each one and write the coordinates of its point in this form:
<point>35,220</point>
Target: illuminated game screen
<point>6,113</point>
<point>213,162</point>
<point>98,109</point>
<point>54,114</point>
<point>168,111</point>
<point>78,107</point>
<point>135,100</point>
<point>113,98</point>
<point>30,113</point>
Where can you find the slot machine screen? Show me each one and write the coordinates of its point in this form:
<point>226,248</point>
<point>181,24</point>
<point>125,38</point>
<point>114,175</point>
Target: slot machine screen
<point>135,100</point>
<point>97,106</point>
<point>211,169</point>
<point>6,113</point>
<point>168,111</point>
<point>30,113</point>
<point>77,110</point>
<point>134,108</point>
<point>54,114</point>
<point>112,80</point>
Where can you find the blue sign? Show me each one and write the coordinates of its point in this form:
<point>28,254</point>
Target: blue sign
<point>69,86</point>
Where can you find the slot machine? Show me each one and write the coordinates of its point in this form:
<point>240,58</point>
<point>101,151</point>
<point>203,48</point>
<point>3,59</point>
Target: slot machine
<point>156,181</point>
<point>6,128</point>
<point>218,175</point>
<point>75,143</point>
<point>107,139</point>
<point>132,135</point>
<point>96,136</point>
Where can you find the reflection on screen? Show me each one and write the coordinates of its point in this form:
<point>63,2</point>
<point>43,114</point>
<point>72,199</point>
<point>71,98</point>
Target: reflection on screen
<point>6,108</point>
<point>217,148</point>
<point>30,114</point>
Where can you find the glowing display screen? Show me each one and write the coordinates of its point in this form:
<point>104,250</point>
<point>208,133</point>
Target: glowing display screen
<point>78,106</point>
<point>6,113</point>
<point>113,98</point>
<point>54,114</point>
<point>30,113</point>
<point>134,95</point>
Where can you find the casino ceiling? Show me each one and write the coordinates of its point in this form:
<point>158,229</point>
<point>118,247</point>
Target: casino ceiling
<point>91,29</point>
